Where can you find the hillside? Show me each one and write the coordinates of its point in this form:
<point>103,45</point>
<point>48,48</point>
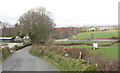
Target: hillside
<point>95,34</point>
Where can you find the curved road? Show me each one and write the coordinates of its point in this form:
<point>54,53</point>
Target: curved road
<point>22,61</point>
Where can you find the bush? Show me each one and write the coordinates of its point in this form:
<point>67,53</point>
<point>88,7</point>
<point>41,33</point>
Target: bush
<point>50,41</point>
<point>114,65</point>
<point>103,63</point>
<point>5,53</point>
<point>58,49</point>
<point>90,68</point>
<point>75,52</point>
<point>16,47</point>
<point>115,37</point>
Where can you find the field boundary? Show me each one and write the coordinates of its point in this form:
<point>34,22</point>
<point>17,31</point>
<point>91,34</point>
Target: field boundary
<point>89,44</point>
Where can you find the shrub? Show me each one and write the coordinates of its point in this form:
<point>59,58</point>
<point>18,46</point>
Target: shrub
<point>58,49</point>
<point>114,65</point>
<point>16,47</point>
<point>104,64</point>
<point>75,52</point>
<point>90,68</point>
<point>5,53</point>
<point>50,41</point>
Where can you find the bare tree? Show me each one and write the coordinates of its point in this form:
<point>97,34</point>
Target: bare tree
<point>38,24</point>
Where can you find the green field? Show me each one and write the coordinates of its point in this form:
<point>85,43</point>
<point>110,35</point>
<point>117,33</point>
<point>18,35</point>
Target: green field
<point>109,51</point>
<point>6,41</point>
<point>96,34</point>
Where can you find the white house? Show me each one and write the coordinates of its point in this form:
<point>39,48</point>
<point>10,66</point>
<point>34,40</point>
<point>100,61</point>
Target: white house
<point>104,28</point>
<point>17,38</point>
<point>92,29</point>
<point>25,37</point>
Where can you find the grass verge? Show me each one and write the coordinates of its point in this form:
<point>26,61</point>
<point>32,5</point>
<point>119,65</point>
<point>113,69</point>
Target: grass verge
<point>62,62</point>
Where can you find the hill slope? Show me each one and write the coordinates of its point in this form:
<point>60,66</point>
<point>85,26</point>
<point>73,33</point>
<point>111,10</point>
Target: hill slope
<point>96,34</point>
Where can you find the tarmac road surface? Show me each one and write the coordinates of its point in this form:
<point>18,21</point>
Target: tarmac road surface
<point>22,61</point>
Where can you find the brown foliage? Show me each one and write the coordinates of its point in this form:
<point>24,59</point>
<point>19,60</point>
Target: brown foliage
<point>58,49</point>
<point>73,52</point>
<point>103,63</point>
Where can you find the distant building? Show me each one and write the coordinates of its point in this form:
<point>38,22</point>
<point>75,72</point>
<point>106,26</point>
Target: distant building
<point>92,29</point>
<point>105,28</point>
<point>26,38</point>
<point>6,39</point>
<point>17,39</point>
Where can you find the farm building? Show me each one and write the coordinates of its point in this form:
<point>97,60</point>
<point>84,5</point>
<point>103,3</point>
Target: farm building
<point>6,39</point>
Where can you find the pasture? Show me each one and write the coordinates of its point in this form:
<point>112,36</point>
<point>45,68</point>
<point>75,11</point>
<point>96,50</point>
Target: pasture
<point>96,34</point>
<point>109,51</point>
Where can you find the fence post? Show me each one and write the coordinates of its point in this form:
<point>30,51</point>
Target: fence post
<point>80,56</point>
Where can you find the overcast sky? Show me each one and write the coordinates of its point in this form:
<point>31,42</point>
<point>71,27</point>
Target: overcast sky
<point>65,12</point>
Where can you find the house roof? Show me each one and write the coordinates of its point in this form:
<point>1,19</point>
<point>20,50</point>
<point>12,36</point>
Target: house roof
<point>5,38</point>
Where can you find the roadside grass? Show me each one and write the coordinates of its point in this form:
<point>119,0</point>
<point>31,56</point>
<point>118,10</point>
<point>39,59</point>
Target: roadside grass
<point>108,51</point>
<point>61,62</point>
<point>96,34</point>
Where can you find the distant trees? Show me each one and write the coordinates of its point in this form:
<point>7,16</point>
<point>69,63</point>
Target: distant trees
<point>115,27</point>
<point>38,24</point>
<point>5,24</point>
<point>7,29</point>
<point>65,32</point>
<point>0,22</point>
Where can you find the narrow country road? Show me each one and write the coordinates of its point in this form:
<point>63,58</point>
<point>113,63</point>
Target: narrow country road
<point>95,40</point>
<point>22,61</point>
